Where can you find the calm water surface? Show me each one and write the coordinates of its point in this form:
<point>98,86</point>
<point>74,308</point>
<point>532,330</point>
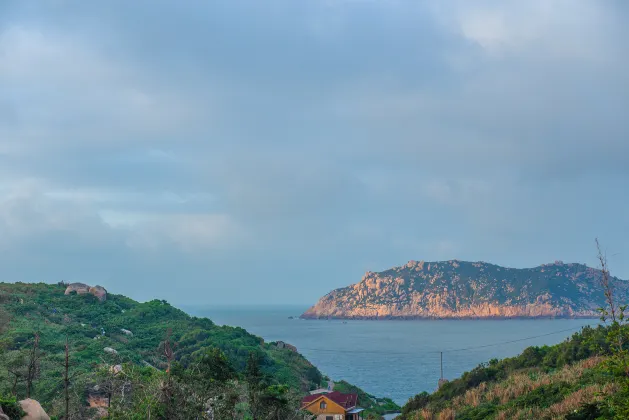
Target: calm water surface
<point>396,359</point>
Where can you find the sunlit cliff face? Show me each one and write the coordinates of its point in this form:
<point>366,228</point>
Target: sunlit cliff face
<point>457,289</point>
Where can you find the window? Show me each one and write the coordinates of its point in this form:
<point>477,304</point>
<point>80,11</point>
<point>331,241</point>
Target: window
<point>323,405</point>
<point>329,417</point>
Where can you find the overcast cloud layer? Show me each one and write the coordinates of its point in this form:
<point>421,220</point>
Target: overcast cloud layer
<point>270,151</point>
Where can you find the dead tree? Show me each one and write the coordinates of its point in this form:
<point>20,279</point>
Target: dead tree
<point>66,379</point>
<point>167,351</point>
<point>614,314</point>
<point>17,378</point>
<point>33,366</point>
<point>606,284</point>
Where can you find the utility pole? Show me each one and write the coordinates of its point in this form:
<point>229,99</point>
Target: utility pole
<point>441,380</point>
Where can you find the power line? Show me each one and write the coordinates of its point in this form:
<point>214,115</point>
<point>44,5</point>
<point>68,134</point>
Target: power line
<point>444,351</point>
<point>358,351</point>
<point>515,341</point>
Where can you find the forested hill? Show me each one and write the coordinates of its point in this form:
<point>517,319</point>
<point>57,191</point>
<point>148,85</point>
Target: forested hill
<point>115,330</point>
<point>43,307</point>
<point>460,289</point>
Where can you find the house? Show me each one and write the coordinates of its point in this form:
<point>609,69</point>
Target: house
<point>333,406</point>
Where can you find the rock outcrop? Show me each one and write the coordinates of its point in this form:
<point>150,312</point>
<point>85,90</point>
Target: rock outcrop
<point>458,289</point>
<point>78,288</point>
<point>98,399</point>
<point>84,289</point>
<point>99,292</point>
<point>115,369</point>
<point>283,345</point>
<point>33,410</point>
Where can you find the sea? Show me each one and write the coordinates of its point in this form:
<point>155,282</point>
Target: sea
<point>395,359</point>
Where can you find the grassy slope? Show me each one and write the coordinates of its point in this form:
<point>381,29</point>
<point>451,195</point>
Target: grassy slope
<point>26,308</point>
<point>547,382</point>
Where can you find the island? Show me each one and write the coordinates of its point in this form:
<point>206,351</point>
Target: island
<point>470,290</point>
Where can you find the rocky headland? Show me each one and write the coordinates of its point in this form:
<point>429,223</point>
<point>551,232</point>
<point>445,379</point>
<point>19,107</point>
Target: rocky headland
<point>469,290</point>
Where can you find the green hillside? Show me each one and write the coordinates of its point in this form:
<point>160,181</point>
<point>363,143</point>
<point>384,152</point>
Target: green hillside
<point>578,379</point>
<point>136,332</point>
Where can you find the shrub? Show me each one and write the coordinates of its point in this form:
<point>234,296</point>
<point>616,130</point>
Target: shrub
<point>11,407</point>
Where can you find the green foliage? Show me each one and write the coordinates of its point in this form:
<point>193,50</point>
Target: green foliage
<point>370,403</point>
<point>11,407</point>
<point>482,412</point>
<point>614,315</point>
<point>586,343</point>
<point>416,403</point>
<point>544,396</point>
<point>233,371</point>
<point>582,345</point>
<point>82,317</point>
<point>589,411</point>
<point>610,341</point>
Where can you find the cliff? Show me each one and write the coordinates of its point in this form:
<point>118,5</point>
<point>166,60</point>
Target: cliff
<point>459,289</point>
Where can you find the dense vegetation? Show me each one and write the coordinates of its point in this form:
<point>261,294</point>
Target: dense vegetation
<point>168,358</point>
<point>368,401</point>
<point>584,378</point>
<point>537,379</point>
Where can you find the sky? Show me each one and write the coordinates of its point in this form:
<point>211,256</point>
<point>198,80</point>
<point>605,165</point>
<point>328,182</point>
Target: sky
<point>267,152</point>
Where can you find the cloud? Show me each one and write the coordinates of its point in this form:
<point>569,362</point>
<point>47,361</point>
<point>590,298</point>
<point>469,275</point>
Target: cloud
<point>559,29</point>
<point>62,91</point>
<point>192,233</point>
<point>279,150</point>
<point>31,209</point>
<point>26,212</point>
<point>524,87</point>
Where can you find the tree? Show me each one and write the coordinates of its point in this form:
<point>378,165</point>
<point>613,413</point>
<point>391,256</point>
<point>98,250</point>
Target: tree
<point>136,393</point>
<point>276,398</point>
<point>213,373</point>
<point>270,401</point>
<point>24,367</point>
<point>167,351</point>
<point>255,385</point>
<point>214,368</point>
<point>15,363</point>
<point>66,379</point>
<point>205,388</point>
<point>32,370</point>
<point>613,314</point>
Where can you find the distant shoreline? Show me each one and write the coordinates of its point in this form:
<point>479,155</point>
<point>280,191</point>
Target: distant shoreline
<point>435,318</point>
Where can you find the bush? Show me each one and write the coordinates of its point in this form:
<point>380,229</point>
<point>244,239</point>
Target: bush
<point>586,412</point>
<point>11,407</point>
<point>582,345</point>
